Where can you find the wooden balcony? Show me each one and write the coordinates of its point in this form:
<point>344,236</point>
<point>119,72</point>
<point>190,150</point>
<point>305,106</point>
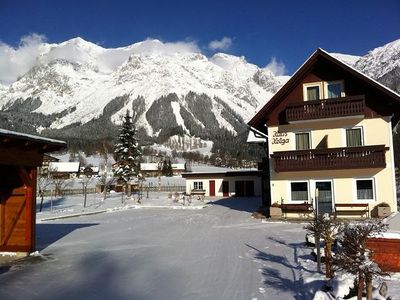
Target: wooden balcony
<point>326,108</point>
<point>330,159</point>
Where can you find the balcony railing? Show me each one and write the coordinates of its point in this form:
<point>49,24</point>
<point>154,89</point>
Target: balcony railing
<point>330,159</point>
<point>326,108</point>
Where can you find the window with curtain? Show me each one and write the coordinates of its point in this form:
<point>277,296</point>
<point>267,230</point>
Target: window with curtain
<point>302,141</point>
<point>365,189</point>
<point>354,137</point>
<point>313,93</point>
<point>299,191</point>
<point>334,90</point>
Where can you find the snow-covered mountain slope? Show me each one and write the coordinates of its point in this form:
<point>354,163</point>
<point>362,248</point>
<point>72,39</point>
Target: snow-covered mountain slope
<point>83,78</point>
<point>383,64</point>
<point>170,88</point>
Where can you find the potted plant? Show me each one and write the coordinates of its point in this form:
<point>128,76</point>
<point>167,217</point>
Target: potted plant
<point>383,210</point>
<point>275,210</point>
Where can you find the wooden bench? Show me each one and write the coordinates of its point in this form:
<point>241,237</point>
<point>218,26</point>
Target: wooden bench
<point>360,208</point>
<point>303,208</point>
<point>200,193</point>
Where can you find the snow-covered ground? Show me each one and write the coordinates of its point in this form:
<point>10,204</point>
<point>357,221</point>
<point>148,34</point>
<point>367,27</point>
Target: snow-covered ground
<point>217,252</point>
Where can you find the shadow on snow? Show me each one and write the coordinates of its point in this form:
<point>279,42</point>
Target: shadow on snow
<point>275,278</point>
<point>47,234</point>
<point>248,204</point>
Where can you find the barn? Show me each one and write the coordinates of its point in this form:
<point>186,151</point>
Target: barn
<point>20,155</point>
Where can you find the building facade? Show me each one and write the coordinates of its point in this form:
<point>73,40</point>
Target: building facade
<point>243,183</point>
<point>330,138</point>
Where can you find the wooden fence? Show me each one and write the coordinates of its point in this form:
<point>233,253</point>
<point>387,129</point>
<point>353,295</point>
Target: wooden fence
<point>93,190</point>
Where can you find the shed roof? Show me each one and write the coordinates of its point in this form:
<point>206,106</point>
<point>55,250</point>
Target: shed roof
<point>25,149</point>
<point>233,173</point>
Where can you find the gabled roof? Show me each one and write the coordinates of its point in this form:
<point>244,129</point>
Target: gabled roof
<point>299,75</point>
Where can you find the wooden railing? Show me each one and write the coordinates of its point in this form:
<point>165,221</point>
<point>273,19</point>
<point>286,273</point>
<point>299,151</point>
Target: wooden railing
<point>330,159</point>
<point>326,108</point>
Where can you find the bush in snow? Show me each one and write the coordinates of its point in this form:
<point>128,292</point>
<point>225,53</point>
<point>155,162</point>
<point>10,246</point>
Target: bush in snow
<point>127,152</point>
<point>326,228</point>
<point>354,258</point>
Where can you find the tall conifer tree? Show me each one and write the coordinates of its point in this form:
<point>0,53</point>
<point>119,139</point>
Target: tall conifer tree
<point>127,151</point>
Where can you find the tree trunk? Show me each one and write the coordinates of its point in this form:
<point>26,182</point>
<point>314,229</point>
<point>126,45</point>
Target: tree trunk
<point>328,259</point>
<point>368,286</point>
<point>41,201</point>
<point>360,287</point>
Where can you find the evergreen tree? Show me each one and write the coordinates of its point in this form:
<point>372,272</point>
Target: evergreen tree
<point>127,151</point>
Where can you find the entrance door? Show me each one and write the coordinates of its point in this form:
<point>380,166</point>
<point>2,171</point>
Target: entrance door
<point>324,196</point>
<point>239,188</point>
<point>225,188</point>
<point>249,185</point>
<point>212,188</point>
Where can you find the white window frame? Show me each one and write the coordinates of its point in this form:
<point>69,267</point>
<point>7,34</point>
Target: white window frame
<point>373,189</point>
<point>309,138</point>
<point>198,183</point>
<point>290,191</point>
<point>326,83</point>
<point>354,127</point>
<point>313,84</point>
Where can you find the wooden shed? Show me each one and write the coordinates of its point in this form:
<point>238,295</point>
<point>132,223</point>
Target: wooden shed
<point>20,155</point>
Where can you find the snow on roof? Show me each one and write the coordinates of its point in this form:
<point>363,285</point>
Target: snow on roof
<point>64,166</point>
<point>149,166</point>
<point>30,137</point>
<point>360,73</point>
<point>178,166</point>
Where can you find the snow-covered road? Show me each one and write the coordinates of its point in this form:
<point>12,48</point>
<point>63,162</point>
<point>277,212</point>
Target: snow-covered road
<point>219,252</point>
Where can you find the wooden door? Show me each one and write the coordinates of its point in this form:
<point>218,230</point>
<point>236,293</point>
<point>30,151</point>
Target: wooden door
<point>225,188</point>
<point>17,219</point>
<point>212,188</point>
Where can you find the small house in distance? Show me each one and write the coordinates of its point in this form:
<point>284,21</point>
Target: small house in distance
<point>155,169</point>
<point>229,183</point>
<point>64,170</point>
<point>329,137</point>
<point>20,155</point>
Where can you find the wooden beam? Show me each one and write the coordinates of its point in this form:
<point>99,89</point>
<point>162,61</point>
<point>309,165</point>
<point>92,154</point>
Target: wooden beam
<point>26,178</point>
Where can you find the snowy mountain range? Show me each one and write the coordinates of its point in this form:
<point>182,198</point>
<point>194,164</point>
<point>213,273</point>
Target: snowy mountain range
<point>77,86</point>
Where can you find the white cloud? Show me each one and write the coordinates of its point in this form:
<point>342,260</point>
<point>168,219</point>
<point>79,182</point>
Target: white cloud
<point>33,50</point>
<point>15,62</point>
<point>224,44</point>
<point>278,68</point>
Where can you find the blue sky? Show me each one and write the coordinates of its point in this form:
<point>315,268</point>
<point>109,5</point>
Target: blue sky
<point>258,30</point>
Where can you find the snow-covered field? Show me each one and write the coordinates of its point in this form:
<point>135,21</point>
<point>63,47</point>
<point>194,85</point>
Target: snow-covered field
<point>217,252</point>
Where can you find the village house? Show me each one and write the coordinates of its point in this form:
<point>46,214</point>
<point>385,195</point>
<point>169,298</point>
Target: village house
<point>238,183</point>
<point>64,170</point>
<point>155,169</point>
<point>20,155</point>
<point>328,136</point>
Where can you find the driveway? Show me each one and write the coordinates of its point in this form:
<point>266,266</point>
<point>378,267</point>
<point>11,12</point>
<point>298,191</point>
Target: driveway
<point>219,252</point>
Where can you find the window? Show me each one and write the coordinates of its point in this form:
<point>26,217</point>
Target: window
<point>354,137</point>
<point>334,90</point>
<point>302,140</point>
<point>299,191</point>
<point>198,185</point>
<point>313,92</point>
<point>365,189</point>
